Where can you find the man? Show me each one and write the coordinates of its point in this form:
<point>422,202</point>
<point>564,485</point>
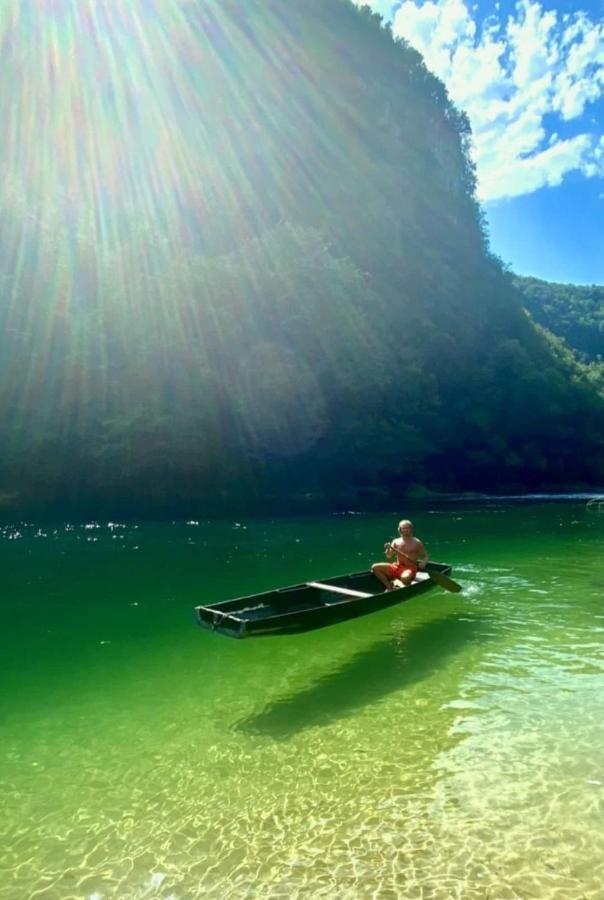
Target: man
<point>410,553</point>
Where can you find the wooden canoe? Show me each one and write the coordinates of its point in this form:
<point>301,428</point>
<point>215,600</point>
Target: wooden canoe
<point>314,604</point>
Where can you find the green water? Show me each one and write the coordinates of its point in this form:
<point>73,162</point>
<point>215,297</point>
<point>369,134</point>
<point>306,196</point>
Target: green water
<point>451,747</point>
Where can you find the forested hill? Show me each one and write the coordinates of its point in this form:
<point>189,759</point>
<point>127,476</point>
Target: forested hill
<point>573,312</point>
<point>242,261</point>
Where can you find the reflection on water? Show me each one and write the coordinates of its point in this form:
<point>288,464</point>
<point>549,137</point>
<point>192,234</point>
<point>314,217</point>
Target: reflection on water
<point>370,675</point>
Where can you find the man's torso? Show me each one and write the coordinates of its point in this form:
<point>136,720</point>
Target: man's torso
<point>411,547</point>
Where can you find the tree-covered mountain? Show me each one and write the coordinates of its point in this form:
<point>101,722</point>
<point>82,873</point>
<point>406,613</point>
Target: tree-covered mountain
<point>243,260</point>
<point>573,312</point>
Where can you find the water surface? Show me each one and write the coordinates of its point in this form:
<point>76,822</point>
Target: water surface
<point>449,747</point>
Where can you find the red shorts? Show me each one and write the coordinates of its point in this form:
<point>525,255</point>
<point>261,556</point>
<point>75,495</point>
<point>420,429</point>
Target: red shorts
<point>395,570</point>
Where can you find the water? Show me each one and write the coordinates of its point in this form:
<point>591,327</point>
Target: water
<point>452,747</point>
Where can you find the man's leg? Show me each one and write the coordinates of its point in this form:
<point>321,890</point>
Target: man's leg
<point>382,572</point>
<point>407,576</point>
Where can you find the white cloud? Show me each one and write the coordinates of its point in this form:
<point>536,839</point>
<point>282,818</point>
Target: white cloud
<point>525,174</point>
<point>516,80</point>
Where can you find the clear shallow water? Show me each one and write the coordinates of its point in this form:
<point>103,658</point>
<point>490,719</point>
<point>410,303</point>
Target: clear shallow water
<point>449,747</point>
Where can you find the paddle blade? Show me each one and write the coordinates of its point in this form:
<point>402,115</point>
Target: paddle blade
<point>445,582</point>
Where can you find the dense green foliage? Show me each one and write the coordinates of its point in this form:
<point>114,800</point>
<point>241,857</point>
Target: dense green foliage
<point>318,313</point>
<point>573,312</point>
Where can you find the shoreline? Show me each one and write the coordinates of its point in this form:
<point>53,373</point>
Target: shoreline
<point>299,505</point>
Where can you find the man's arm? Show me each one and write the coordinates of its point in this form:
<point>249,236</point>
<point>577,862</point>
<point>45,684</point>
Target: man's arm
<point>422,559</point>
<point>391,549</point>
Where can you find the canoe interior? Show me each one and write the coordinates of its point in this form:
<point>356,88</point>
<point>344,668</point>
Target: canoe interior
<point>302,607</point>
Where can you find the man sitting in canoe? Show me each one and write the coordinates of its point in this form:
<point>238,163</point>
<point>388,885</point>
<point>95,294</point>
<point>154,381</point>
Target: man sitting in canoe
<point>410,553</point>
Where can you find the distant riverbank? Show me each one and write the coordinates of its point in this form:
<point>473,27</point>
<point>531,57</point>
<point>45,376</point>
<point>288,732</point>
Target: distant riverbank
<point>178,508</point>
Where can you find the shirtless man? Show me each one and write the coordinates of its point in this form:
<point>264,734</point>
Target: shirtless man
<point>410,553</point>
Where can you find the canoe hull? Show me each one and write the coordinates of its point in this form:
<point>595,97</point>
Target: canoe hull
<point>309,606</point>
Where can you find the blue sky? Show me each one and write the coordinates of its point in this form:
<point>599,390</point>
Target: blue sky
<point>530,76</point>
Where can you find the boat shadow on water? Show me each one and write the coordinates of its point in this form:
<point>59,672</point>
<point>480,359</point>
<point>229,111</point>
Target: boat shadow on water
<point>386,666</point>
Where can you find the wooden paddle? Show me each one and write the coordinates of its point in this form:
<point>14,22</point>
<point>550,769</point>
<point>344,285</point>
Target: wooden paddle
<point>445,582</point>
